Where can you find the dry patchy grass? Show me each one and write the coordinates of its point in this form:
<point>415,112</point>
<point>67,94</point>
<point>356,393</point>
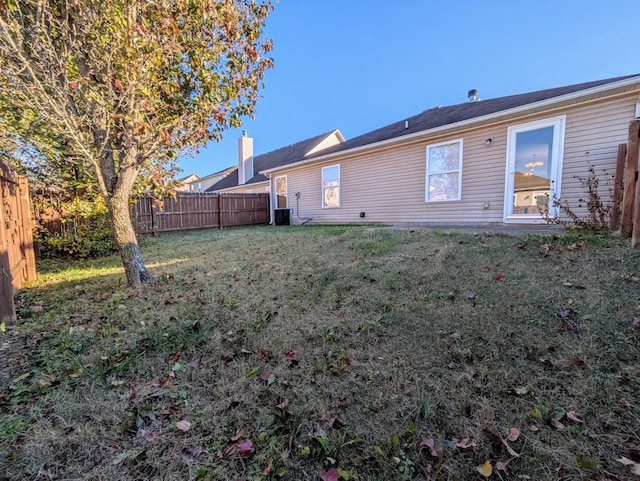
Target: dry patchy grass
<point>328,347</point>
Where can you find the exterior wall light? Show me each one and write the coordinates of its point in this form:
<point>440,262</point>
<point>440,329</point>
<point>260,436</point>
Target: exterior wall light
<point>488,141</point>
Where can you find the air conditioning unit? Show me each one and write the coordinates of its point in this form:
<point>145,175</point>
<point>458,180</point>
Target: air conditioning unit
<point>282,216</point>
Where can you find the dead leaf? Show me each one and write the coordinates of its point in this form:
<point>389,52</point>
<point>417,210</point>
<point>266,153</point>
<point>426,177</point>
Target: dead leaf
<point>291,355</point>
<point>500,466</point>
<point>183,425</point>
<point>267,470</point>
<point>431,444</point>
<point>557,424</point>
<point>283,404</point>
<point>466,444</point>
<point>572,415</point>
<point>514,434</point>
<point>329,475</point>
<point>577,363</point>
<point>534,428</point>
<point>636,322</point>
<point>510,450</point>
<point>632,465</point>
<point>174,357</point>
<point>237,436</point>
<point>485,469</point>
<point>245,448</point>
<point>499,276</point>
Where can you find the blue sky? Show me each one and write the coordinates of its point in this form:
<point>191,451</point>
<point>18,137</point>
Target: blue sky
<point>358,65</point>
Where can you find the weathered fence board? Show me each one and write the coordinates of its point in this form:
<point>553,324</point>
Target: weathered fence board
<point>630,177</point>
<point>188,211</point>
<point>17,260</point>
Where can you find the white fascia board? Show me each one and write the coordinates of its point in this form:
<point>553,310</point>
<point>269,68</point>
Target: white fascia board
<point>229,190</point>
<point>463,123</point>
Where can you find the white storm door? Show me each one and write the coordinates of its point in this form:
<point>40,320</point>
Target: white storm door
<point>534,169</point>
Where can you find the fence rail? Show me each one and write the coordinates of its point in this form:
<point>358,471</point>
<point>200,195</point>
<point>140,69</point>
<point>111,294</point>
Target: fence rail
<point>188,211</point>
<point>17,261</point>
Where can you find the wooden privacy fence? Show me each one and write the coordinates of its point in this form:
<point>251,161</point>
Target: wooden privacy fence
<point>627,187</point>
<point>204,210</point>
<point>17,261</point>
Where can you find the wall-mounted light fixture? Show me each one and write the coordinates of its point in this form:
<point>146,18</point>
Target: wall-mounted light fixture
<point>488,141</point>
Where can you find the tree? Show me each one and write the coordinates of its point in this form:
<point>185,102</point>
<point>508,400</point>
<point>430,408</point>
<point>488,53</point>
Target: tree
<point>126,85</point>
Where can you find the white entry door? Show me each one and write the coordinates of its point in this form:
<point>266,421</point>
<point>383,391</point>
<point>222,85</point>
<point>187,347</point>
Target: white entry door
<point>534,169</point>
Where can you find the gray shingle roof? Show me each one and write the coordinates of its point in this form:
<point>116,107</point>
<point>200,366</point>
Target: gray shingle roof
<point>441,116</point>
<point>275,158</point>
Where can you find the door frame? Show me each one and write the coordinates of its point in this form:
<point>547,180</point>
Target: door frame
<point>557,154</point>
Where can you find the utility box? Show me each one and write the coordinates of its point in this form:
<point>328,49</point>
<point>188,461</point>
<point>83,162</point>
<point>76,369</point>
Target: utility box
<point>282,216</point>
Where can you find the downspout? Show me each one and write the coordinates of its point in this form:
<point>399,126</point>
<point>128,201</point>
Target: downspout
<point>271,214</point>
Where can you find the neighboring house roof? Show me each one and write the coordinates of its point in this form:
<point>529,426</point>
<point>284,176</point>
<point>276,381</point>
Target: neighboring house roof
<point>440,117</point>
<point>226,171</point>
<point>276,158</point>
<point>229,181</point>
<point>189,178</point>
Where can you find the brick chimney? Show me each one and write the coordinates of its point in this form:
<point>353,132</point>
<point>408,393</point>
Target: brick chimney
<point>245,158</point>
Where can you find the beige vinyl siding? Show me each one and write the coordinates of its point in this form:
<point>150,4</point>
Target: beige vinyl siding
<point>389,184</point>
<point>592,136</point>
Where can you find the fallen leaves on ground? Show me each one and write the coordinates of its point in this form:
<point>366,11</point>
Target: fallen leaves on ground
<point>183,425</point>
<point>485,469</point>
<point>514,434</point>
<point>466,444</point>
<point>329,475</point>
<point>572,415</point>
<point>431,444</point>
<point>632,465</point>
<point>245,448</point>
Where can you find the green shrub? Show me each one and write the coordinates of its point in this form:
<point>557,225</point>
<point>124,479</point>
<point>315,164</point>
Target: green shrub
<point>85,232</point>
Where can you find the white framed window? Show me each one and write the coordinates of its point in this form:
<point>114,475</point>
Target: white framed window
<point>281,192</point>
<point>444,171</point>
<point>331,186</point>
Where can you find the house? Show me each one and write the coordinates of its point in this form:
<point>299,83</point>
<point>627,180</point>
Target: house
<point>246,177</point>
<point>201,184</point>
<point>500,160</point>
<point>184,182</point>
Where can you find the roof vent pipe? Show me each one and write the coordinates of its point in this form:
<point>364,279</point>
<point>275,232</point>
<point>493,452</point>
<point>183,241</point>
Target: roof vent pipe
<point>406,124</point>
<point>245,133</point>
<point>473,95</point>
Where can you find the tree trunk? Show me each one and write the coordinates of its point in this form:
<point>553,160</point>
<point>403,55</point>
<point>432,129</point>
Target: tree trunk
<point>125,236</point>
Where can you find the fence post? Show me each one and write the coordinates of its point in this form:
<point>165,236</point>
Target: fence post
<point>618,184</point>
<point>630,177</point>
<point>29,255</point>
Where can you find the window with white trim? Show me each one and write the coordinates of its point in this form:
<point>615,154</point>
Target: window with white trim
<point>281,192</point>
<point>331,186</point>
<point>444,171</point>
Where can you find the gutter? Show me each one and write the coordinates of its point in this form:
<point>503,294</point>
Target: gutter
<point>461,124</point>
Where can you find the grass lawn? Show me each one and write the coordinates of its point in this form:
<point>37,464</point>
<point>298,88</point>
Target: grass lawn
<point>325,353</point>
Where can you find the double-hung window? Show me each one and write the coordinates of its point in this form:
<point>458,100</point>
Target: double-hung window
<point>444,171</point>
<point>331,186</point>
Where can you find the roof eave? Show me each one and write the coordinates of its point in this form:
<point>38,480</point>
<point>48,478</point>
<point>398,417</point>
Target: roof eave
<point>231,189</point>
<point>463,123</point>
